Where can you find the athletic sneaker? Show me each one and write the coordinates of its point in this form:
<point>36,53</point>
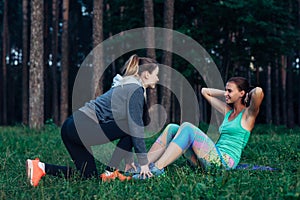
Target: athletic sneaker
<point>155,171</point>
<point>108,176</point>
<point>132,171</point>
<point>35,171</point>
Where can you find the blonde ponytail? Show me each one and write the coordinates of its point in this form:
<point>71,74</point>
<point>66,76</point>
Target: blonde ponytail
<point>131,67</point>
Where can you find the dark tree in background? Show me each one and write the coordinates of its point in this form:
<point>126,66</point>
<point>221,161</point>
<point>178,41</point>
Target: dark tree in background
<point>64,91</point>
<point>98,51</point>
<point>167,55</point>
<point>150,41</point>
<point>5,50</point>
<point>25,50</point>
<point>54,53</point>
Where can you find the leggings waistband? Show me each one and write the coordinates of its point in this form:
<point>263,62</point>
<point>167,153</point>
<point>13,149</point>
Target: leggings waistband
<point>222,159</point>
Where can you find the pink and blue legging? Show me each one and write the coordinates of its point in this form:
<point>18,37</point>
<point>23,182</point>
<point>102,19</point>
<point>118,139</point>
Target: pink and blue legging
<point>197,147</point>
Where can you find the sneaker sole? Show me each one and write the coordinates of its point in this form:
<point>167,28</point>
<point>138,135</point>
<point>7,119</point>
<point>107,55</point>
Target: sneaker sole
<point>29,168</point>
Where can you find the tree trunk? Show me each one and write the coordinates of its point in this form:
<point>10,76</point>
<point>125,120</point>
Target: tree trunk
<point>283,85</point>
<point>167,55</point>
<point>150,41</point>
<point>4,67</point>
<point>269,96</point>
<point>47,69</point>
<point>25,64</point>
<point>55,16</point>
<point>149,22</point>
<point>298,100</point>
<point>36,82</point>
<point>277,93</point>
<point>290,85</point>
<point>173,108</point>
<point>226,59</point>
<point>97,87</point>
<point>12,95</point>
<point>290,102</point>
<point>64,63</point>
<point>298,63</point>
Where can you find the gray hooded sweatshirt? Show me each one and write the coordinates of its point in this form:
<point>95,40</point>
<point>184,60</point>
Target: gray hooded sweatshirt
<point>123,102</point>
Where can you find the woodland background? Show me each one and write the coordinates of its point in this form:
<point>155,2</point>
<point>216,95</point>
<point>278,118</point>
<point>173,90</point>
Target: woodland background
<point>44,42</point>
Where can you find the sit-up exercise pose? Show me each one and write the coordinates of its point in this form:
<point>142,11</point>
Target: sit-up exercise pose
<point>240,109</point>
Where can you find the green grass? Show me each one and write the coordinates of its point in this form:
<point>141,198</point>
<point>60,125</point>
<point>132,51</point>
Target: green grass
<point>268,145</point>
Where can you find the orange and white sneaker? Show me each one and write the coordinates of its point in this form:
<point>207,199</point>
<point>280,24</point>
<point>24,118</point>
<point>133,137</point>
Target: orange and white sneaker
<point>121,176</point>
<point>108,176</point>
<point>35,171</point>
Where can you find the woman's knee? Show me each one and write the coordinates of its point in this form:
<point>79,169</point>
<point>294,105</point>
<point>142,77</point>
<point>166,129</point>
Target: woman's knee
<point>185,136</point>
<point>187,124</point>
<point>186,128</point>
<point>66,129</point>
<point>168,134</point>
<point>172,127</point>
<point>170,130</point>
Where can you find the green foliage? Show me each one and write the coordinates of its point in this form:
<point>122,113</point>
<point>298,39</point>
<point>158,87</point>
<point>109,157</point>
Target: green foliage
<point>279,148</point>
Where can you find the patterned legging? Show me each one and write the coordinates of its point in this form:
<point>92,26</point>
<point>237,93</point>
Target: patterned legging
<point>198,148</point>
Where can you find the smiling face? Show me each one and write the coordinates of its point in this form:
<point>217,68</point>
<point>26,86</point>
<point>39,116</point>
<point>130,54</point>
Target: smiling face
<point>233,94</point>
<point>150,79</point>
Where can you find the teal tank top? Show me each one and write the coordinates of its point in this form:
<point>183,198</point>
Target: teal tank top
<point>233,138</point>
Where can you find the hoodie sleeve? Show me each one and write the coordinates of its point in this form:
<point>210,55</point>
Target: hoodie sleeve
<point>136,124</point>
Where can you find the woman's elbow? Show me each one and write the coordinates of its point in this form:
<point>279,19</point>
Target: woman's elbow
<point>259,92</point>
<point>204,91</point>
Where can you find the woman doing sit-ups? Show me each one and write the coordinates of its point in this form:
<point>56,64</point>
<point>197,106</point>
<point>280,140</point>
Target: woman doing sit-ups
<point>240,110</point>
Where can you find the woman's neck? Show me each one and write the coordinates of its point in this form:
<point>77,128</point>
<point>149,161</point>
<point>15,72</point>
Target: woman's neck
<point>238,108</point>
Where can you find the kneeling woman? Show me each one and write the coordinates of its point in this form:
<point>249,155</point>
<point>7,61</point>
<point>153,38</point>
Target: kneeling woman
<point>117,114</point>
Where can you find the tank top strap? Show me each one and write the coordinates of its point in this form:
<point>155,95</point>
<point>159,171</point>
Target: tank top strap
<point>240,115</point>
<point>228,114</point>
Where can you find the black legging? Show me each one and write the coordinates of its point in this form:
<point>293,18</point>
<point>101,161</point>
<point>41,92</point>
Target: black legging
<point>79,139</point>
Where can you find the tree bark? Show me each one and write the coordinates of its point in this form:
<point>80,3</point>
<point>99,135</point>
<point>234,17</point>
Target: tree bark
<point>283,85</point>
<point>150,41</point>
<point>36,81</point>
<point>167,55</point>
<point>55,16</point>
<point>298,63</point>
<point>149,22</point>
<point>290,85</point>
<point>47,69</point>
<point>97,87</point>
<point>4,67</point>
<point>269,96</point>
<point>64,63</point>
<point>277,93</point>
<point>25,63</point>
<point>290,102</point>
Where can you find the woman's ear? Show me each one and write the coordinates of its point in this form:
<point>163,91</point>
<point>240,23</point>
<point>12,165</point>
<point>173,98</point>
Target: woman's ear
<point>147,74</point>
<point>144,75</point>
<point>243,93</point>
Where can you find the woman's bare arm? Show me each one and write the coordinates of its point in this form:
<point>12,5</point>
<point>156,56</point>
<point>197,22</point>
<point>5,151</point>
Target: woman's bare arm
<point>257,96</point>
<point>211,95</point>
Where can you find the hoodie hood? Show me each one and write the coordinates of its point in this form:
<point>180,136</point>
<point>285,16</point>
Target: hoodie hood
<point>119,80</point>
